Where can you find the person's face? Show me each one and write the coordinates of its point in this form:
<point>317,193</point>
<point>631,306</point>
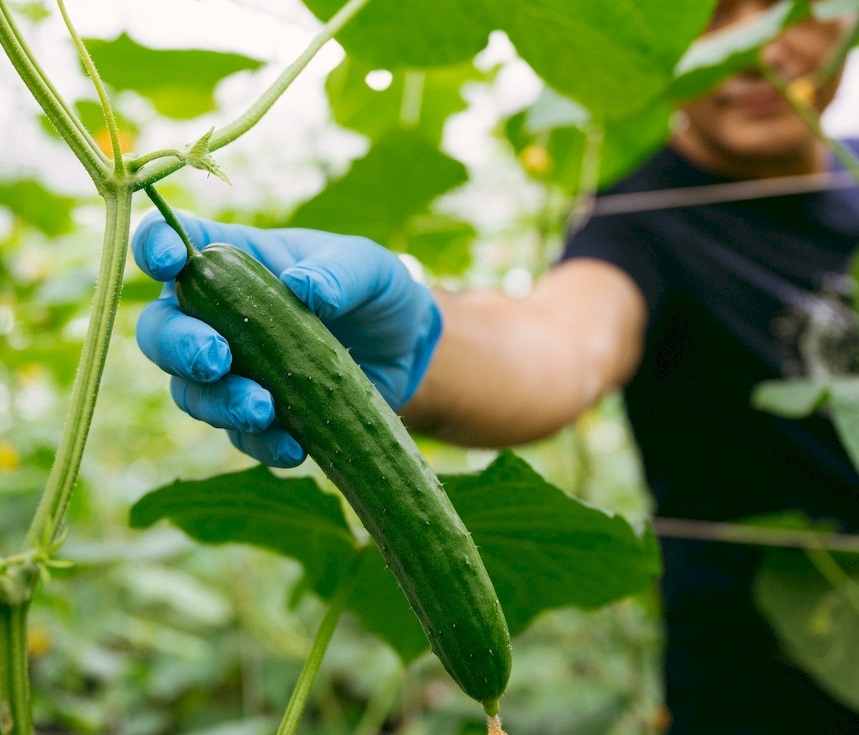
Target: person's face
<point>745,127</point>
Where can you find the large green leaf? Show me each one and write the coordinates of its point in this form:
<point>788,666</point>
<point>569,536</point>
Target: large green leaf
<point>715,56</point>
<point>392,33</point>
<point>612,57</point>
<point>291,517</point>
<point>817,619</point>
<point>397,179</point>
<point>180,83</point>
<point>543,549</point>
<point>37,206</point>
<point>546,549</point>
<point>549,139</point>
<point>418,99</point>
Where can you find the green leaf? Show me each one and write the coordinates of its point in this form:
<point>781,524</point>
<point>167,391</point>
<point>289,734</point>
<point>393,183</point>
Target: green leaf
<point>400,176</point>
<point>420,33</point>
<point>33,203</point>
<point>441,243</point>
<point>419,99</point>
<point>544,549</point>
<point>791,398</point>
<point>180,83</point>
<point>611,57</point>
<point>844,405</point>
<point>291,517</point>
<point>549,141</point>
<point>714,56</point>
<point>802,397</point>
<point>818,622</point>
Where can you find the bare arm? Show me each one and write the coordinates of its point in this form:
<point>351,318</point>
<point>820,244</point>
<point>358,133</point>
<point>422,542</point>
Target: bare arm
<point>508,370</point>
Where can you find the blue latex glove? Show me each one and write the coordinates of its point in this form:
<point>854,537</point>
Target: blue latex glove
<point>360,290</point>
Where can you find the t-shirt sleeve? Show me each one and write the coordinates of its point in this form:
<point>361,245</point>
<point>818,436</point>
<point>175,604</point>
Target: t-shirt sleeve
<point>629,244</point>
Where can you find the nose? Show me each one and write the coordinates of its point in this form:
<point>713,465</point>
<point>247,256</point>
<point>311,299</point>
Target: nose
<point>729,12</point>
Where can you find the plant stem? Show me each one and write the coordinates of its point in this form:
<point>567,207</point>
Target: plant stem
<point>107,110</point>
<point>105,302</point>
<point>138,163</point>
<point>15,716</point>
<point>833,66</point>
<point>254,114</point>
<point>171,219</point>
<point>336,605</point>
<point>811,118</point>
<point>59,113</point>
<point>832,572</point>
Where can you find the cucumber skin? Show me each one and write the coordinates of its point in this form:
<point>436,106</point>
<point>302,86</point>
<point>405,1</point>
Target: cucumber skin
<point>327,403</point>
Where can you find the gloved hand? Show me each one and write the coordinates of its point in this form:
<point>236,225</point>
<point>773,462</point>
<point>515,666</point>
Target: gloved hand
<point>361,291</point>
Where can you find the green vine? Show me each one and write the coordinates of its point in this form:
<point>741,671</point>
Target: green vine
<point>298,700</point>
<point>19,575</point>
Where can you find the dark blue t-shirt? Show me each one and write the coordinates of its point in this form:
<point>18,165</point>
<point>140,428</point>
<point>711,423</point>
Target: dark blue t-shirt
<point>737,292</point>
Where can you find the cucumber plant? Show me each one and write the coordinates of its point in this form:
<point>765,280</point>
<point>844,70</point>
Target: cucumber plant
<point>117,178</point>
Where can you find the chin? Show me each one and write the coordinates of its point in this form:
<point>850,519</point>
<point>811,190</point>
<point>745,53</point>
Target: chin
<point>759,147</point>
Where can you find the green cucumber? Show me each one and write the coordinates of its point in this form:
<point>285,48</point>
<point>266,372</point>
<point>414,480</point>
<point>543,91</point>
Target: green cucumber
<point>327,403</point>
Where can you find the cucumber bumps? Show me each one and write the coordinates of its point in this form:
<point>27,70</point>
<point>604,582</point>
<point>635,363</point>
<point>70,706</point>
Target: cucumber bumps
<point>327,403</point>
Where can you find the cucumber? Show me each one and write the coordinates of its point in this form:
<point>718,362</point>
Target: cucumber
<point>326,402</point>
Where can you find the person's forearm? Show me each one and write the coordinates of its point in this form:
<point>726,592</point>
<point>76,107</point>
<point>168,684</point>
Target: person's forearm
<point>509,371</point>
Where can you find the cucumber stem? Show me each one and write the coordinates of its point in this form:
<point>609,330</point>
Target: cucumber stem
<point>171,219</point>
<point>493,726</point>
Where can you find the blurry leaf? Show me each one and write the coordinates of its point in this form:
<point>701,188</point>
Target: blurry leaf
<point>611,57</point>
<point>292,517</point>
<point>177,591</point>
<point>397,179</point>
<point>257,726</point>
<point>844,404</point>
<point>180,83</point>
<point>716,55</point>
<point>545,549</point>
<point>43,209</point>
<point>441,243</point>
<point>32,10</point>
<point>802,397</point>
<point>790,398</point>
<point>549,141</point>
<point>416,33</point>
<point>818,622</point>
<point>372,112</point>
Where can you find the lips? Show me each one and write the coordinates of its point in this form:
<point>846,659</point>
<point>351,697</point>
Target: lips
<point>751,95</point>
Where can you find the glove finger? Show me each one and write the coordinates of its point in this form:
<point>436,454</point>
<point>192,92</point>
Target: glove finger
<point>233,402</point>
<point>157,249</point>
<point>334,280</point>
<point>274,447</point>
<point>181,345</point>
